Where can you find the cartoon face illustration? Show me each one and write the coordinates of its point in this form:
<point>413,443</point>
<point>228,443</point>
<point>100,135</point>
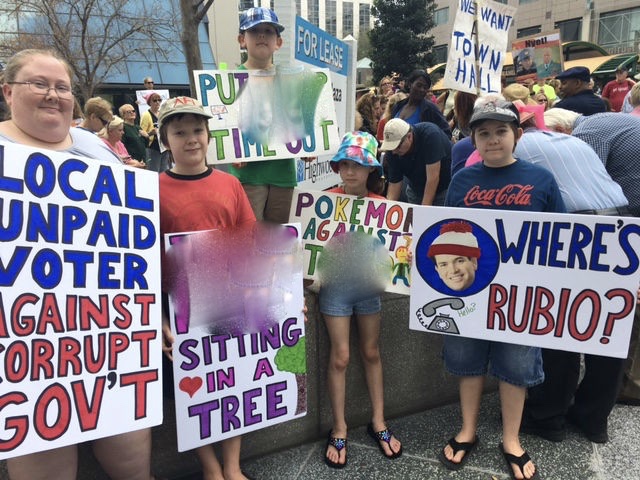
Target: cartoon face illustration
<point>402,254</point>
<point>458,272</point>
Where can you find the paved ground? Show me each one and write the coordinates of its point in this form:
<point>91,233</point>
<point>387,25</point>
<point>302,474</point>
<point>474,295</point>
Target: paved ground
<point>424,433</point>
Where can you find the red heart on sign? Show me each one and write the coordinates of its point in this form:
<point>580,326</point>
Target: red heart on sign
<point>190,385</point>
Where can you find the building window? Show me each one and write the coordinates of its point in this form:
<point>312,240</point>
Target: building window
<point>313,12</point>
<point>619,30</point>
<point>347,19</point>
<point>245,4</point>
<point>298,7</point>
<point>440,53</point>
<point>330,17</point>
<point>441,16</point>
<point>525,32</point>
<point>570,29</point>
<point>364,17</point>
<point>521,2</point>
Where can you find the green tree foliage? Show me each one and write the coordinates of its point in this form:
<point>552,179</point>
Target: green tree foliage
<point>400,37</point>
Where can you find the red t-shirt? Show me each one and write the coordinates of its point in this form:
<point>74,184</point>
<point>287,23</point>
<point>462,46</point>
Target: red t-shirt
<point>615,93</point>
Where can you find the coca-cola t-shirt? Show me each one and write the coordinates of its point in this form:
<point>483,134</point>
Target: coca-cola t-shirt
<point>518,186</point>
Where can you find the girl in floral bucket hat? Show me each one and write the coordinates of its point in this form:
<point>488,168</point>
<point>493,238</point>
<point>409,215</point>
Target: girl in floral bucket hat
<point>358,166</point>
<point>348,287</point>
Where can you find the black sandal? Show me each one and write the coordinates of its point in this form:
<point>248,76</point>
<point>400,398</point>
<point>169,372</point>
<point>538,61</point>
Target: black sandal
<point>383,436</point>
<point>338,444</point>
<point>520,462</point>
<point>466,447</point>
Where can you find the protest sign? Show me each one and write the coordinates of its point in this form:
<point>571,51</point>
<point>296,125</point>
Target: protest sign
<point>142,95</point>
<point>80,341</point>
<point>325,215</point>
<point>239,357</point>
<point>314,46</point>
<point>537,56</point>
<point>478,46</point>
<point>268,114</point>
<point>558,281</point>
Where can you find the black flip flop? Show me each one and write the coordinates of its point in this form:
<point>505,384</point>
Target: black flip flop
<point>383,436</point>
<point>466,447</point>
<point>338,444</point>
<point>520,462</point>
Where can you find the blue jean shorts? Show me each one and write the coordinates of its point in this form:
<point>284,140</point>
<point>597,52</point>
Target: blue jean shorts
<point>519,365</point>
<point>338,303</point>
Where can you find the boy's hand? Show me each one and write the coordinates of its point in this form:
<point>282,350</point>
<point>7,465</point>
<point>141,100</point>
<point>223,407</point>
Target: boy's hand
<point>239,164</point>
<point>308,159</point>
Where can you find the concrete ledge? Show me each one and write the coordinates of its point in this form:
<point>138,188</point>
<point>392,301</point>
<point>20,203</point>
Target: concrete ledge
<point>414,381</point>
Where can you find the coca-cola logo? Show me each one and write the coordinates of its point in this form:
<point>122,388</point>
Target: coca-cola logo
<point>513,194</point>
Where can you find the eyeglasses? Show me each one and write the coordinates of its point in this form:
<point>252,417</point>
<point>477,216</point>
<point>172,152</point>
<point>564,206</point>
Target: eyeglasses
<point>128,111</point>
<point>156,100</point>
<point>386,84</point>
<point>149,82</point>
<point>41,88</point>
<point>104,122</point>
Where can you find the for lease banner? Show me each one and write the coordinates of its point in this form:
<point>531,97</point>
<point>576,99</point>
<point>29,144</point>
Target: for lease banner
<point>239,356</point>
<point>558,281</point>
<point>80,342</point>
<point>268,114</point>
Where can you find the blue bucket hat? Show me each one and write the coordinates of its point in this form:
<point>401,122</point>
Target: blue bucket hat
<point>359,147</point>
<point>255,16</point>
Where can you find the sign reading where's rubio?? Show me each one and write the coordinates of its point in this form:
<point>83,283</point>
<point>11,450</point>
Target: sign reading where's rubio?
<point>558,281</point>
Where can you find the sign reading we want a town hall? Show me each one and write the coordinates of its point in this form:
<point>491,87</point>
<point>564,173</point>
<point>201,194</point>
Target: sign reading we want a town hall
<point>559,281</point>
<point>80,341</point>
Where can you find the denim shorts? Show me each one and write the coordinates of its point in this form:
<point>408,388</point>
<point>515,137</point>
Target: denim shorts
<point>338,304</point>
<point>519,365</point>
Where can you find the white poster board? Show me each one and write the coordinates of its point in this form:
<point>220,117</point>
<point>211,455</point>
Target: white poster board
<point>239,357</point>
<point>316,47</point>
<point>558,281</point>
<point>80,354</point>
<point>478,45</point>
<point>324,215</point>
<point>143,95</point>
<point>268,115</point>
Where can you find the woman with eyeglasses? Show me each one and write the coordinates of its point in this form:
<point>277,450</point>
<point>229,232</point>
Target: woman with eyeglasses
<point>386,87</point>
<point>112,137</point>
<point>134,137</point>
<point>149,123</point>
<point>97,115</point>
<point>38,92</point>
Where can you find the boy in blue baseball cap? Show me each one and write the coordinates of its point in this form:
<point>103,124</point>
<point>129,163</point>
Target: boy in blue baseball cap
<point>268,184</point>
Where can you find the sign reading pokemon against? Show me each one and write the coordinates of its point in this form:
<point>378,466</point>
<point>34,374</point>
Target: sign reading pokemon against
<point>268,114</point>
<point>325,215</point>
<point>565,282</point>
<point>80,340</point>
<point>239,356</point>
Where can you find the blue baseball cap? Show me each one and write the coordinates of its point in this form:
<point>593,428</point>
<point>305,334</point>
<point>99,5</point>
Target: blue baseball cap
<point>255,16</point>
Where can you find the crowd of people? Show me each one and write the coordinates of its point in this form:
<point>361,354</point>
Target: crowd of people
<point>576,149</point>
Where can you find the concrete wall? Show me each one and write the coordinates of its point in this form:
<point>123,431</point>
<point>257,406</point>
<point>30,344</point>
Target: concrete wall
<point>414,381</point>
